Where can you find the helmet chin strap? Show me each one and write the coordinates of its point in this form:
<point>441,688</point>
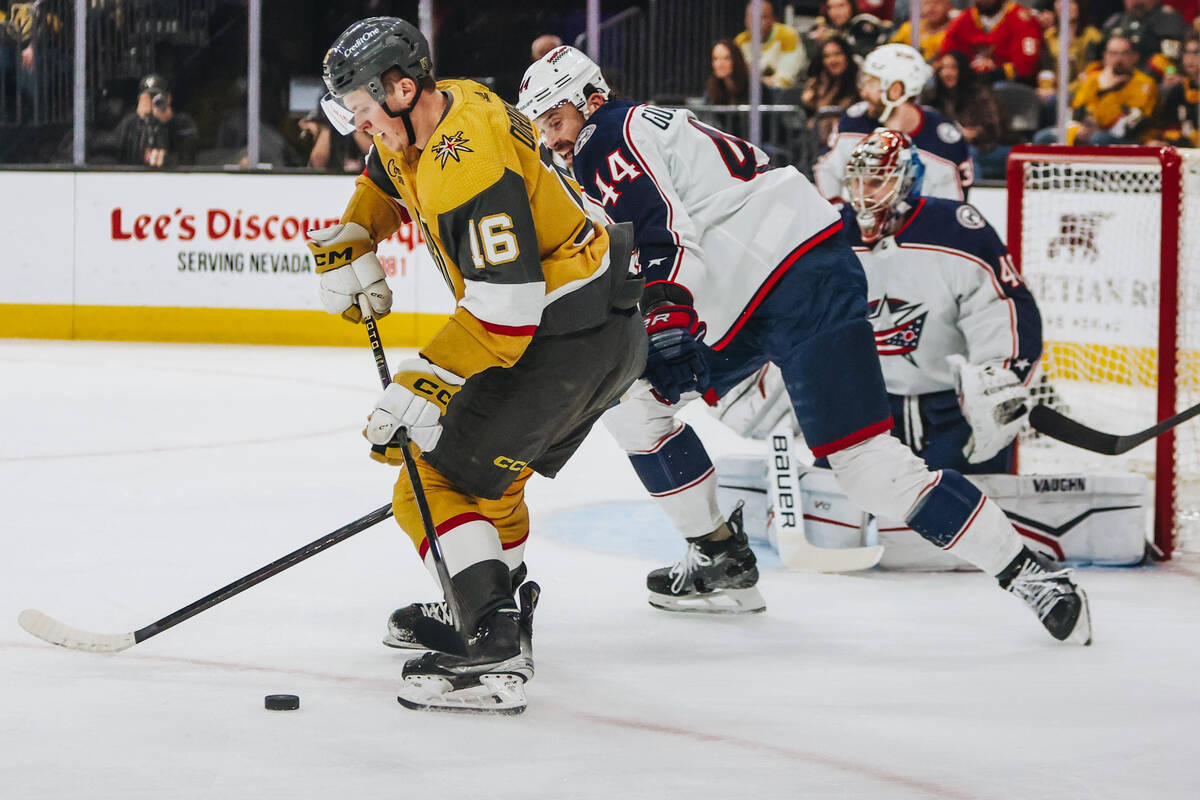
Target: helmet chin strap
<point>404,115</point>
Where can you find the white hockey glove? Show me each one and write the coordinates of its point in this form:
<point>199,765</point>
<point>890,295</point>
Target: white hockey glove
<point>416,399</point>
<point>345,259</point>
<point>756,405</point>
<point>994,403</point>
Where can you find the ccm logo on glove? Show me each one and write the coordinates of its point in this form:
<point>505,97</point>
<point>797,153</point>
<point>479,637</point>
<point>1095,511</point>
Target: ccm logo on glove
<point>416,400</point>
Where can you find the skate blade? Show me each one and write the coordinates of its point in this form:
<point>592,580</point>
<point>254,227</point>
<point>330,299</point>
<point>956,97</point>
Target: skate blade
<point>402,644</point>
<point>723,601</point>
<point>496,693</point>
<point>1082,634</point>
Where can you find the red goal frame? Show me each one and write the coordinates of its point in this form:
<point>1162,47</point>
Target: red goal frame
<point>1170,163</point>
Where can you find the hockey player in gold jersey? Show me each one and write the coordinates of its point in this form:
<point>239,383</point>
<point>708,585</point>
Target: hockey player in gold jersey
<point>543,339</point>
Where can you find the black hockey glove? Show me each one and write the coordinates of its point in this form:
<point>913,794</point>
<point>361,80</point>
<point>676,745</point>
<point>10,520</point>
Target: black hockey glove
<point>675,362</point>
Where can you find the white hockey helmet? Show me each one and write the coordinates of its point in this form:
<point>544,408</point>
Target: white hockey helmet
<point>896,63</point>
<point>883,181</point>
<point>564,75</point>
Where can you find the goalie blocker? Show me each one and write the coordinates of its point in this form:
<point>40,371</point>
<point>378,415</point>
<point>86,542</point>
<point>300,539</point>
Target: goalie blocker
<point>1095,518</point>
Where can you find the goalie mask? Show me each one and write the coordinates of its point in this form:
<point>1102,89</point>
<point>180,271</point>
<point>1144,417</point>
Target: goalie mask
<point>895,64</point>
<point>360,57</point>
<point>883,181</point>
<point>564,75</point>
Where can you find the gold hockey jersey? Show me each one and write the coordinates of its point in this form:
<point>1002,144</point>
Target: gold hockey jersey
<point>505,226</point>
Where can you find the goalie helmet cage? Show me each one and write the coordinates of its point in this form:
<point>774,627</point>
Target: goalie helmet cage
<point>1108,240</point>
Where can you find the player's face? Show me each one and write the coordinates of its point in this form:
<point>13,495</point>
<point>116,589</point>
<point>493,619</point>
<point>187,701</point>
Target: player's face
<point>371,119</point>
<point>869,90</point>
<point>559,128</point>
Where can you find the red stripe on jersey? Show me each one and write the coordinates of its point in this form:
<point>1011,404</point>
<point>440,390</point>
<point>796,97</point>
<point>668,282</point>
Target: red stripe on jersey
<point>772,279</point>
<point>508,330</point>
<point>860,435</point>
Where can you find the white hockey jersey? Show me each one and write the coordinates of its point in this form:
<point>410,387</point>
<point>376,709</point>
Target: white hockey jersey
<point>944,284</point>
<point>939,142</point>
<point>707,212</point>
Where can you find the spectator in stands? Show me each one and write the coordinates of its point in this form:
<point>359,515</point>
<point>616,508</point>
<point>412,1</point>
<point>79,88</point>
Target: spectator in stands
<point>863,32</point>
<point>332,152</point>
<point>883,10</point>
<point>833,81</point>
<point>935,19</point>
<point>1001,40</point>
<point>542,45</point>
<point>1180,102</point>
<point>1085,47</point>
<point>959,94</point>
<point>1157,33</point>
<point>1114,104</point>
<point>27,63</point>
<point>728,83</point>
<point>154,134</point>
<point>783,58</point>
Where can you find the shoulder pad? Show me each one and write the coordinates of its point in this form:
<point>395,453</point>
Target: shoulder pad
<point>969,217</point>
<point>583,137</point>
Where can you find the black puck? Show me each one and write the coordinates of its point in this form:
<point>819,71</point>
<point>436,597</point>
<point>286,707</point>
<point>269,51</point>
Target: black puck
<point>282,702</point>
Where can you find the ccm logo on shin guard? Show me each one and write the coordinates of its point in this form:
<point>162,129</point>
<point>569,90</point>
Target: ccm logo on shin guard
<point>504,462</point>
<point>781,446</point>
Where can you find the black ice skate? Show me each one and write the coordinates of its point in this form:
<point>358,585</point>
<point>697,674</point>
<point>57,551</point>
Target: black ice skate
<point>1051,592</point>
<point>490,678</point>
<point>713,577</point>
<point>402,622</point>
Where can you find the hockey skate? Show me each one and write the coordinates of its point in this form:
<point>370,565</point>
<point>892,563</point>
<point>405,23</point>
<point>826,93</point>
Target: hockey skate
<point>713,577</point>
<point>403,621</point>
<point>1053,595</point>
<point>490,678</point>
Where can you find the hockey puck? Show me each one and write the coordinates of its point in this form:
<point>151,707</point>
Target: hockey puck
<point>282,702</point>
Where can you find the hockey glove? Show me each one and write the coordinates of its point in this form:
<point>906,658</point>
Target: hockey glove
<point>416,400</point>
<point>345,259</point>
<point>994,403</point>
<point>675,361</point>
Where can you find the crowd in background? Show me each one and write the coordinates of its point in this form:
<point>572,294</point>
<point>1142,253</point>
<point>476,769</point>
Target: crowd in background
<point>1134,79</point>
<point>1134,69</point>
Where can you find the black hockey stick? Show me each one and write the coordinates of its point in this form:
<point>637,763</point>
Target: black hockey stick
<point>1048,421</point>
<point>431,535</point>
<point>51,630</point>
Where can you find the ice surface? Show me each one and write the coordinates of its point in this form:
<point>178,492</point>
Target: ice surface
<point>136,478</point>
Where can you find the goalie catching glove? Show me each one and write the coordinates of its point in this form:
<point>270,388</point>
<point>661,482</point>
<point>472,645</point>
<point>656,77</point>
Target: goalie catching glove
<point>994,403</point>
<point>675,363</point>
<point>416,400</point>
<point>345,259</point>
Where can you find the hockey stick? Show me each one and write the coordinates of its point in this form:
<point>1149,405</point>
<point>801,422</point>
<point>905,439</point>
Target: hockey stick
<point>795,550</point>
<point>431,535</point>
<point>1048,421</point>
<point>51,630</point>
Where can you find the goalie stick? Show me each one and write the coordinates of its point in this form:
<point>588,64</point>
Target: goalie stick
<point>1046,420</point>
<point>448,643</point>
<point>51,630</point>
<point>795,550</point>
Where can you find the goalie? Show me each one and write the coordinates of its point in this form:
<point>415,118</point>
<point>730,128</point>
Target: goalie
<point>956,329</point>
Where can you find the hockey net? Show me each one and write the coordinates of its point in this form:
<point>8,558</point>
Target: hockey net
<point>1108,240</point>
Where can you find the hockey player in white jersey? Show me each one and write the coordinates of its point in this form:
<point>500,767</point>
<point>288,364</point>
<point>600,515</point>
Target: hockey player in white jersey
<point>890,80</point>
<point>746,265</point>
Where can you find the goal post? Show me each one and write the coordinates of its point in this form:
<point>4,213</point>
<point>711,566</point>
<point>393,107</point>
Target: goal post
<point>1107,239</point>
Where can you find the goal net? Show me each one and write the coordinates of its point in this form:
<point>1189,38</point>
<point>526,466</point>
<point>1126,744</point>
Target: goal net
<point>1108,240</point>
